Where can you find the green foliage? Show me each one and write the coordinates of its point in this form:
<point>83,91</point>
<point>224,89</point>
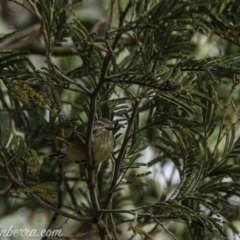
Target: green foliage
<point>175,111</point>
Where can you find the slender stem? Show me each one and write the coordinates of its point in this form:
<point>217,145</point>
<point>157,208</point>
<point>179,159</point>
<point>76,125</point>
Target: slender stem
<point>60,198</point>
<point>86,91</point>
<point>219,138</point>
<point>26,149</point>
<point>33,30</point>
<point>121,21</point>
<point>165,228</point>
<point>106,63</point>
<point>122,74</point>
<point>146,127</point>
<point>91,176</point>
<point>6,189</point>
<point>115,183</point>
<point>111,13</point>
<point>79,236</point>
<point>90,163</point>
<point>147,214</point>
<point>113,227</point>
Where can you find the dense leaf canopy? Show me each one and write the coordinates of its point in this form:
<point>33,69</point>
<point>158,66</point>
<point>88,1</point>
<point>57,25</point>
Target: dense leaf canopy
<point>167,73</point>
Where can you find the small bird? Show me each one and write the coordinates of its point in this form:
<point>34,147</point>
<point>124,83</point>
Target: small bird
<point>102,143</point>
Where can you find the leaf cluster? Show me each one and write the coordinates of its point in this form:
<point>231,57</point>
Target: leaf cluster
<point>162,99</point>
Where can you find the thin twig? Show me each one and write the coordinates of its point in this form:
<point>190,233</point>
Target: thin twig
<point>122,74</point>
<point>115,182</point>
<point>6,189</point>
<point>87,91</point>
<point>131,212</point>
<point>60,197</point>
<point>91,176</point>
<point>79,236</point>
<point>165,228</point>
<point>38,48</point>
<point>33,30</point>
<point>22,5</point>
<point>112,4</point>
<point>40,201</point>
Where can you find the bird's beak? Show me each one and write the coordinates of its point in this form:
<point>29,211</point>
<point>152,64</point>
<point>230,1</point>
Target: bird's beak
<point>111,127</point>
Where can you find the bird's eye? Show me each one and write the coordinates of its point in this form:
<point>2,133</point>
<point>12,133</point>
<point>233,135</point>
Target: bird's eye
<point>99,124</point>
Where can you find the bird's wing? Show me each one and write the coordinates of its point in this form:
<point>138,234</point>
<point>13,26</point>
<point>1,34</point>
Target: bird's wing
<point>78,134</point>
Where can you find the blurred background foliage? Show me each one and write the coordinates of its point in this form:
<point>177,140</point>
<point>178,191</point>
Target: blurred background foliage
<point>167,74</point>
